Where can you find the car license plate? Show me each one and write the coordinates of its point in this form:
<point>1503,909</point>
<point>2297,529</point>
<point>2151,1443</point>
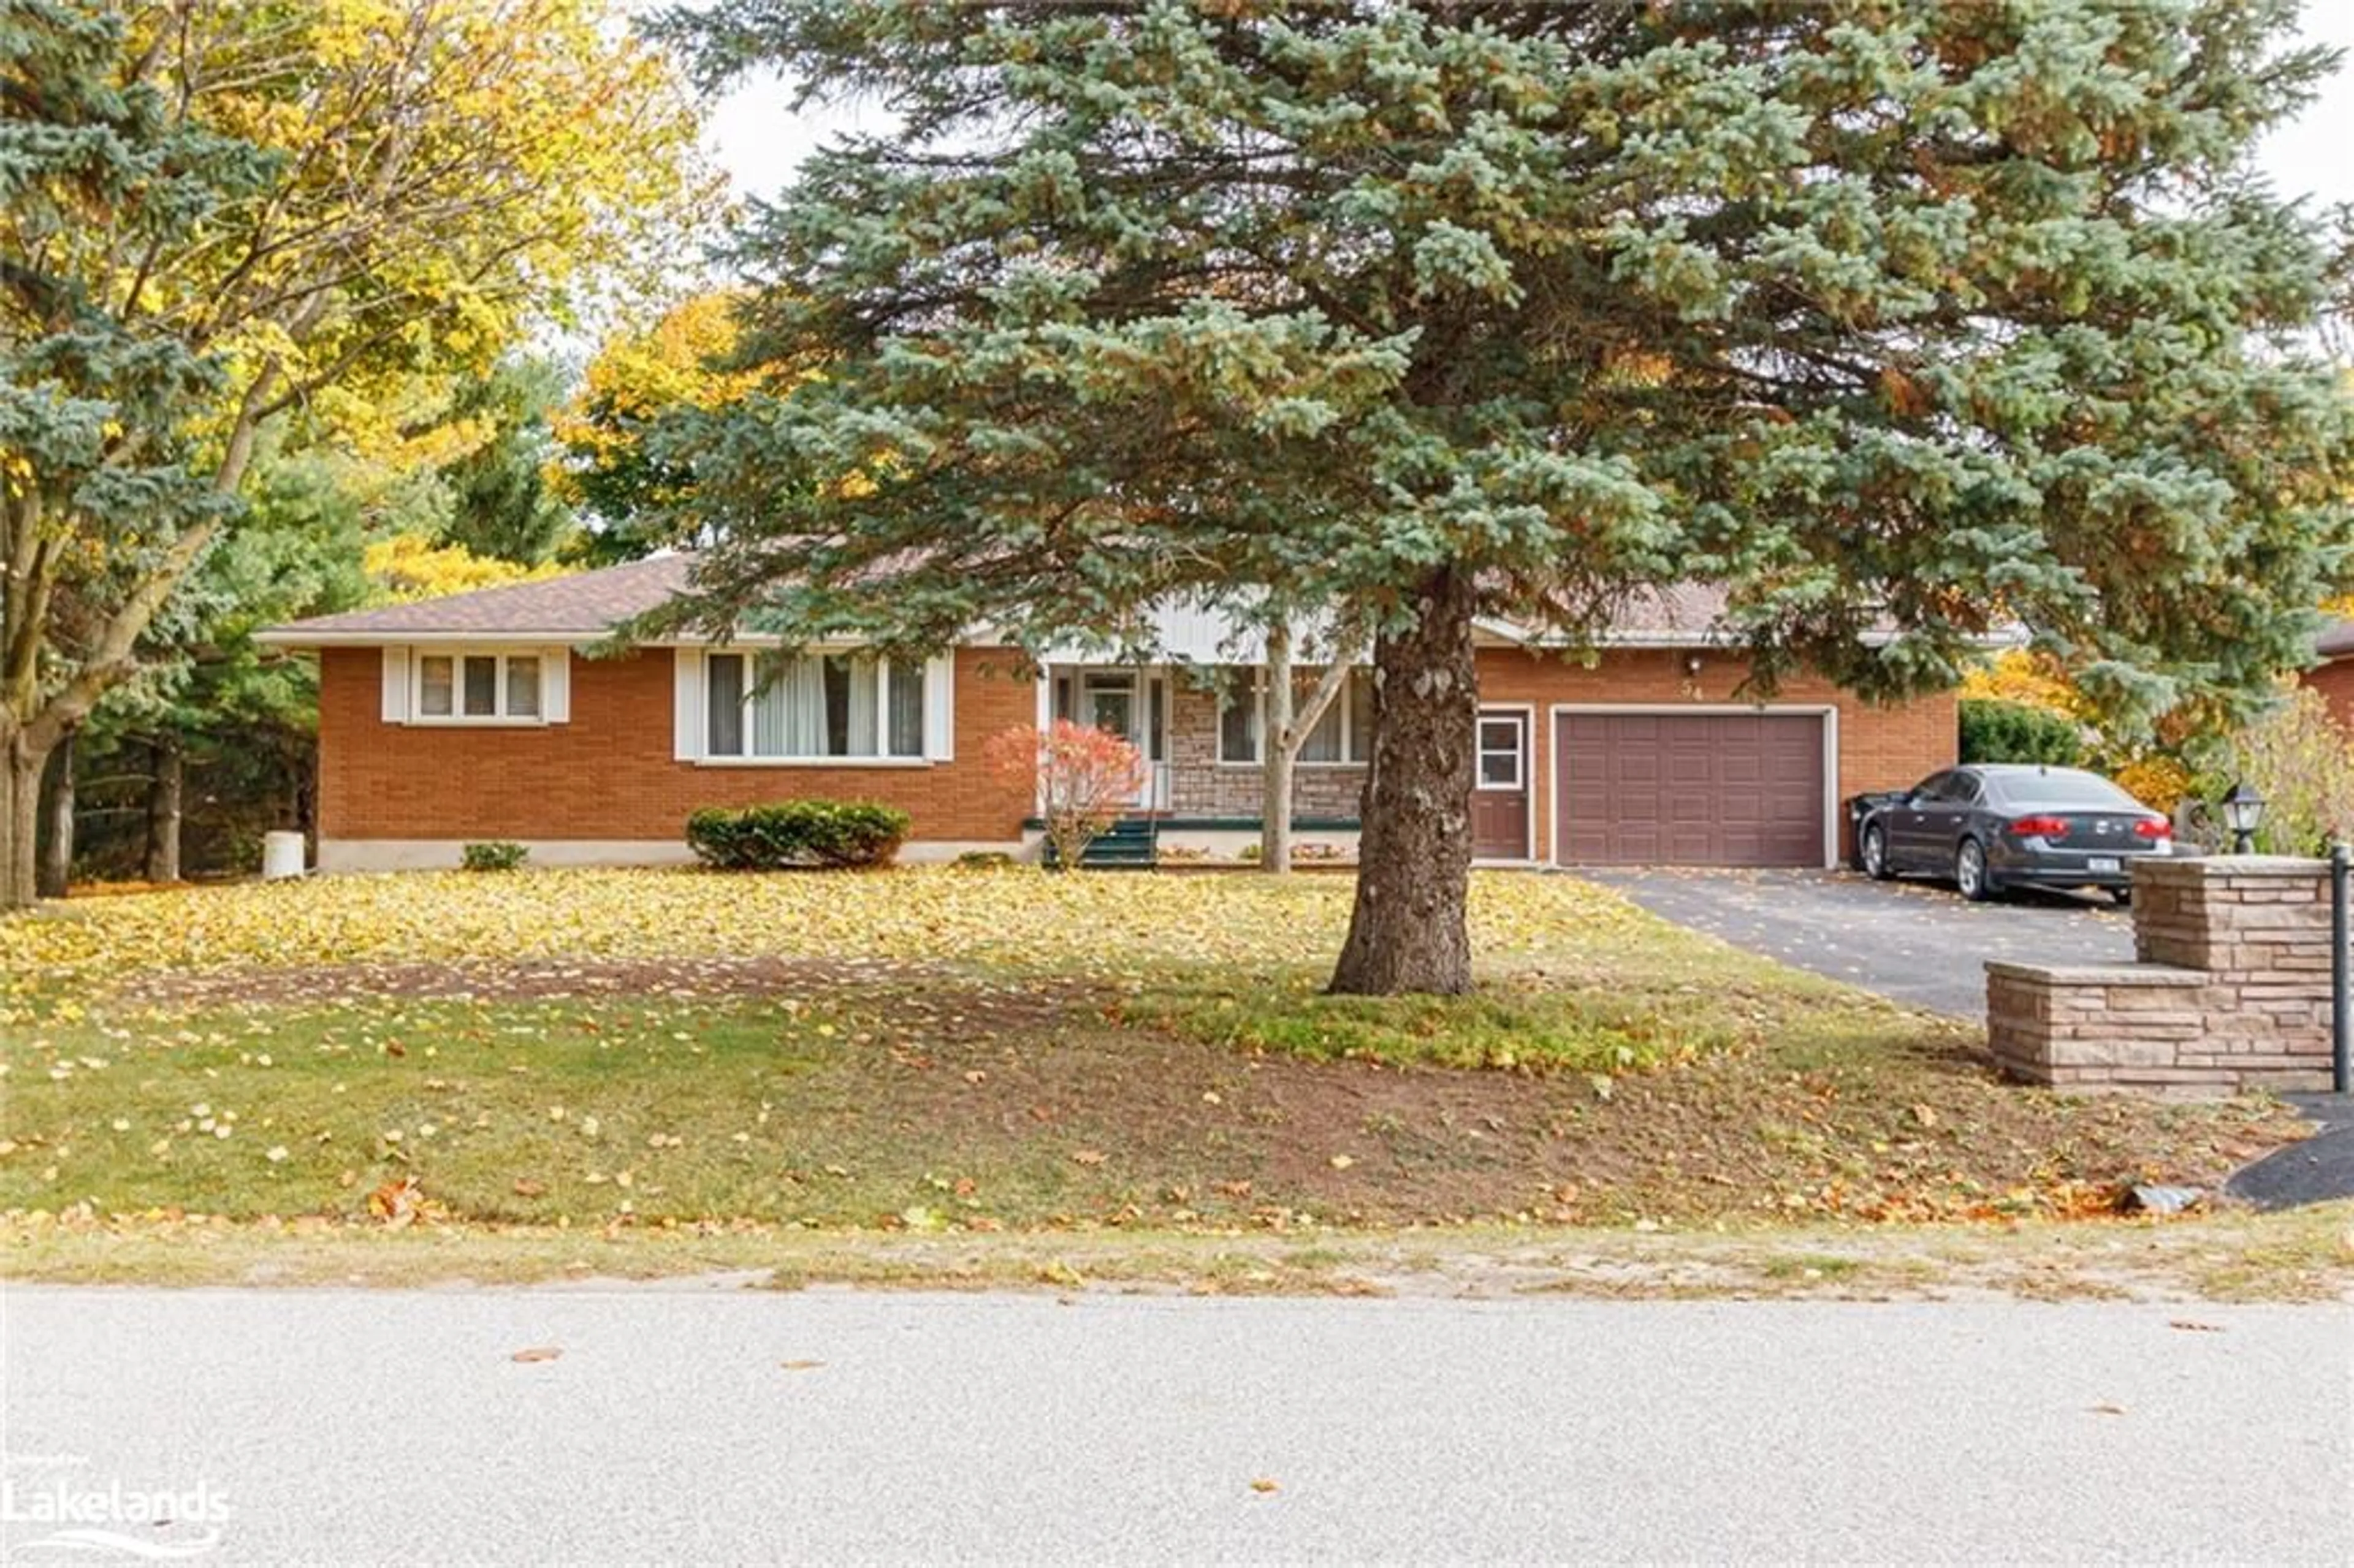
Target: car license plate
<point>2104,862</point>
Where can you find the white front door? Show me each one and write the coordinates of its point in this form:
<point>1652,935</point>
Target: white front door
<point>1109,702</point>
<point>1132,705</point>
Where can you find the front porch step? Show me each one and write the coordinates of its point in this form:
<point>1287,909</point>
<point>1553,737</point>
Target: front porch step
<point>1131,844</point>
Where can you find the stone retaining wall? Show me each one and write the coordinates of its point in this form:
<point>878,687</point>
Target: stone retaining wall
<point>2230,992</point>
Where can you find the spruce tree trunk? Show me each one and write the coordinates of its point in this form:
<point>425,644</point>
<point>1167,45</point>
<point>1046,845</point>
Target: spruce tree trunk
<point>1276,754</point>
<point>20,815</point>
<point>163,811</point>
<point>1407,932</point>
<point>55,869</point>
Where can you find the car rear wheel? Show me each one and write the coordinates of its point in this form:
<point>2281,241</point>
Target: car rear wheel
<point>1875,854</point>
<point>1970,871</point>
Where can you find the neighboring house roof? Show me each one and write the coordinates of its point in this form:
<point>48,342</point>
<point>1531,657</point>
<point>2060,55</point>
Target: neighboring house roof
<point>2336,640</point>
<point>587,606</point>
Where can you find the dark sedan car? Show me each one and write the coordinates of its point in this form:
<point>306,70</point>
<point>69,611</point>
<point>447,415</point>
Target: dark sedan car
<point>1993,826</point>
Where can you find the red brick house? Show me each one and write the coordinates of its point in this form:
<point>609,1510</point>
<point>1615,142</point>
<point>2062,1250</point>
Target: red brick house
<point>482,716</point>
<point>2333,677</point>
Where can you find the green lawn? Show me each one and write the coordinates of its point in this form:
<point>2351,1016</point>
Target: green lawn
<point>959,1053</point>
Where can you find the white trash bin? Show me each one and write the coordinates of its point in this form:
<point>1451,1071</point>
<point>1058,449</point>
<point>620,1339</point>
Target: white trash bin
<point>281,856</point>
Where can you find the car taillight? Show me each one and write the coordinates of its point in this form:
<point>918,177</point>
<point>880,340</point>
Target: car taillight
<point>2041,827</point>
<point>2154,828</point>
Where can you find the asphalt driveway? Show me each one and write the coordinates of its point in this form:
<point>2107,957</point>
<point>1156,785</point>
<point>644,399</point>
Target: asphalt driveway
<point>1915,943</point>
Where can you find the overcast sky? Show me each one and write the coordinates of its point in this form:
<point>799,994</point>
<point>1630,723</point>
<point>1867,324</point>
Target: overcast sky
<point>760,144</point>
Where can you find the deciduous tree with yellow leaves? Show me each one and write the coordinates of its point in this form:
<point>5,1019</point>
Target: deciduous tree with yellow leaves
<point>408,566</point>
<point>216,217</point>
<point>616,468</point>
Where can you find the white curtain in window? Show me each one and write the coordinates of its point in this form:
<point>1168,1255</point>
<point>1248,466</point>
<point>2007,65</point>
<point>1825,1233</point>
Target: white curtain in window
<point>437,683</point>
<point>865,710</point>
<point>788,711</point>
<point>830,704</point>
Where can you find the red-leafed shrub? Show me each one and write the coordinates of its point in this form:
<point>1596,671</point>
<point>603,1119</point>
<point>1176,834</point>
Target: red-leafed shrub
<point>1084,777</point>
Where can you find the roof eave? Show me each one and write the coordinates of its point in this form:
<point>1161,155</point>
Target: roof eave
<point>1719,639</point>
<point>381,637</point>
<point>378,637</point>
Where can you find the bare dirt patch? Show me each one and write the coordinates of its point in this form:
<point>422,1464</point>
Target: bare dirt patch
<point>1917,1131</point>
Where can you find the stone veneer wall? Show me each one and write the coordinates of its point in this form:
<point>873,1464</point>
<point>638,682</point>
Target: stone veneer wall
<point>2230,992</point>
<point>1200,785</point>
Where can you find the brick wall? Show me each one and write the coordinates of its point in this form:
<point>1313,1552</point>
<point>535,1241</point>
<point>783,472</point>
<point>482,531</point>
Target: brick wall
<point>2232,991</point>
<point>2335,682</point>
<point>1879,748</point>
<point>609,773</point>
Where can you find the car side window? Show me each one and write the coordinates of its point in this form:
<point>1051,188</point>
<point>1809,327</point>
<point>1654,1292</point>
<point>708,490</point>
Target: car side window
<point>1931,788</point>
<point>1962,789</point>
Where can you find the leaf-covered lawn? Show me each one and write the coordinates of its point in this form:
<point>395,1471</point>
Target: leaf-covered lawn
<point>1093,926</point>
<point>957,1051</point>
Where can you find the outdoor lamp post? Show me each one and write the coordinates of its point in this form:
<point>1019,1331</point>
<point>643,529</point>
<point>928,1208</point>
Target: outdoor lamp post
<point>2243,810</point>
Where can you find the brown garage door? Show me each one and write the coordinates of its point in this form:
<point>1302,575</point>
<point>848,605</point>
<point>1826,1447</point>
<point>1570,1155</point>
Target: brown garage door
<point>1689,788</point>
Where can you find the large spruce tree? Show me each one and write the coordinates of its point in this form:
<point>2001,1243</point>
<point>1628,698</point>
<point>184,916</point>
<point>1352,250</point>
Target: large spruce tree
<point>1907,315</point>
<point>100,512</point>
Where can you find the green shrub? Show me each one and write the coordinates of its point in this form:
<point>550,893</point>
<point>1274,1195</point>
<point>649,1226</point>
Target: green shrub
<point>1997,731</point>
<point>797,834</point>
<point>497,855</point>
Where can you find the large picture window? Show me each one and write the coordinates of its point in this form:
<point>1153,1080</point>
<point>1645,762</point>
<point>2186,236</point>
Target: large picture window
<point>1344,736</point>
<point>812,705</point>
<point>480,688</point>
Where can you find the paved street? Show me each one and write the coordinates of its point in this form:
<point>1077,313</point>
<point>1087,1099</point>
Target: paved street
<point>1914,942</point>
<point>354,1427</point>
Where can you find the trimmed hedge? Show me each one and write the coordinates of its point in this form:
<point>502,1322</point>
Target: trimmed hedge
<point>829,834</point>
<point>1996,731</point>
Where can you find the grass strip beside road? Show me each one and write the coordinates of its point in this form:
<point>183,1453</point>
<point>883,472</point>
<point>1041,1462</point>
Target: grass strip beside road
<point>2306,1256</point>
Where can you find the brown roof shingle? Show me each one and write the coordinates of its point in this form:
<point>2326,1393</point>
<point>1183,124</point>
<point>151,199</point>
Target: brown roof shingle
<point>584,605</point>
<point>589,605</point>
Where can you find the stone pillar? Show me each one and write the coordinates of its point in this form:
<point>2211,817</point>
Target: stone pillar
<point>2235,916</point>
<point>2230,992</point>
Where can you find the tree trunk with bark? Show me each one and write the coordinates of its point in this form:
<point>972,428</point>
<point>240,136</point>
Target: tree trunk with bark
<point>1288,722</point>
<point>54,873</point>
<point>1407,931</point>
<point>1282,748</point>
<point>163,811</point>
<point>20,813</point>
